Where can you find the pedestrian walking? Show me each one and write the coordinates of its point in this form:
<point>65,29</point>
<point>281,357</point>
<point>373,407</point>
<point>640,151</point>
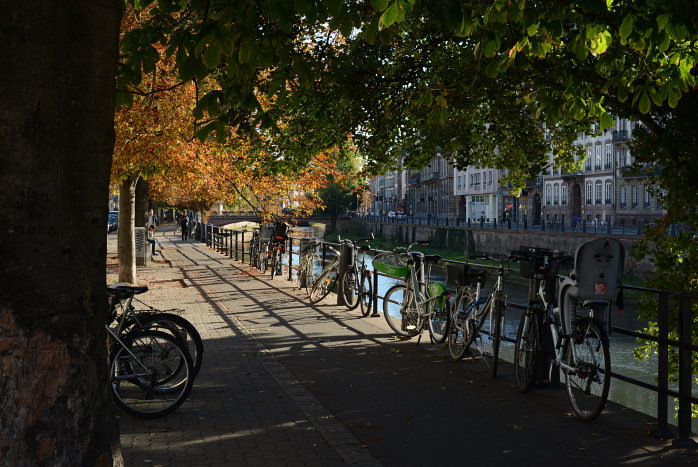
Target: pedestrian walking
<point>184,224</point>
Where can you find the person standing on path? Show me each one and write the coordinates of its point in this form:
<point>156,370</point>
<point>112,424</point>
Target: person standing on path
<point>152,218</point>
<point>184,223</point>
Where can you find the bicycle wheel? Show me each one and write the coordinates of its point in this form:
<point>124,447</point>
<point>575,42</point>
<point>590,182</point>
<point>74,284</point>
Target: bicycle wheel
<point>177,326</point>
<point>324,284</point>
<point>400,311</point>
<point>588,384</point>
<point>302,273</point>
<point>458,335</point>
<point>274,263</point>
<point>439,320</point>
<point>349,288</point>
<point>150,374</point>
<point>496,335</point>
<point>366,293</point>
<point>526,351</point>
<point>263,259</point>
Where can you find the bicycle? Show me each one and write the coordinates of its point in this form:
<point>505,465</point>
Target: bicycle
<point>266,233</point>
<point>327,279</point>
<point>571,308</point>
<point>151,367</point>
<point>420,301</point>
<point>253,250</point>
<point>468,317</point>
<point>278,247</point>
<point>355,285</point>
<point>128,318</point>
<point>306,265</point>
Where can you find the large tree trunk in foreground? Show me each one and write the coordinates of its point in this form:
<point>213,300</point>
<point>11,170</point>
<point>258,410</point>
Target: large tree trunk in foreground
<point>56,141</point>
<point>127,235</point>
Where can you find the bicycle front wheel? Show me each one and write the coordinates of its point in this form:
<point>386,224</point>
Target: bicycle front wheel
<point>400,311</point>
<point>324,284</point>
<point>366,293</point>
<point>588,384</point>
<point>263,260</point>
<point>274,264</point>
<point>349,288</point>
<point>151,374</point>
<point>526,351</point>
<point>439,320</point>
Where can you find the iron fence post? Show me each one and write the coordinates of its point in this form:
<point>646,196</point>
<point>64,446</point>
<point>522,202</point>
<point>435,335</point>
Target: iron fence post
<point>685,375</point>
<point>290,258</point>
<point>375,294</point>
<point>663,430</point>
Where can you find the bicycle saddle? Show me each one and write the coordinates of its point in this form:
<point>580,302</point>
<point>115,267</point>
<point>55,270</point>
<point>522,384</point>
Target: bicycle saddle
<point>364,248</point>
<point>432,258</point>
<point>122,291</point>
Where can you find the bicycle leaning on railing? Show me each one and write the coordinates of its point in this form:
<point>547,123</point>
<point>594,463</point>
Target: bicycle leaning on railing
<point>356,283</point>
<point>327,280</point>
<point>308,257</point>
<point>469,312</point>
<point>408,306</point>
<point>573,309</point>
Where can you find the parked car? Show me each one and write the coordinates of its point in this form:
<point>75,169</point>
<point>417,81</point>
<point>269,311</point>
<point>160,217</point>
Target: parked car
<point>400,215</point>
<point>113,221</point>
<point>391,214</point>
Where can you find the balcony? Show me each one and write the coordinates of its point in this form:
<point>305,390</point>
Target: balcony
<point>588,202</point>
<point>477,186</point>
<point>622,204</point>
<point>620,136</point>
<point>608,201</point>
<point>598,201</point>
<point>415,180</point>
<point>635,205</point>
<point>430,176</point>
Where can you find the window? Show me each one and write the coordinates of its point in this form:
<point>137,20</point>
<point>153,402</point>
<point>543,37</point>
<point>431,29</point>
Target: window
<point>598,193</point>
<point>563,193</point>
<point>589,193</point>
<point>587,162</point>
<point>490,182</point>
<point>609,193</point>
<point>622,197</point>
<point>459,182</point>
<point>647,197</point>
<point>635,196</point>
<point>548,194</point>
<point>597,165</point>
<point>556,194</point>
<point>477,181</point>
<point>607,160</point>
<point>471,179</point>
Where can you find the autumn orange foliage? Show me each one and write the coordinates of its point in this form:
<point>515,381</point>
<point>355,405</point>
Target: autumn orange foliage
<point>155,138</point>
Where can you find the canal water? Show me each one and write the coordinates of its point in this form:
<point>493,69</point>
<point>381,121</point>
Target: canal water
<point>621,347</point>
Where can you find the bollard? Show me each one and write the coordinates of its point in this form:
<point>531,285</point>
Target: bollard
<point>243,245</point>
<point>290,258</point>
<point>375,295</point>
<point>663,431</point>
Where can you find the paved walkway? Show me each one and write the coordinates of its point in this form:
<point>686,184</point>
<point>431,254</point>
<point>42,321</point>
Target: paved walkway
<point>286,383</point>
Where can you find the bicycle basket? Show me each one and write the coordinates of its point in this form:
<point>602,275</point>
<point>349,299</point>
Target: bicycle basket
<point>536,263</point>
<point>391,265</point>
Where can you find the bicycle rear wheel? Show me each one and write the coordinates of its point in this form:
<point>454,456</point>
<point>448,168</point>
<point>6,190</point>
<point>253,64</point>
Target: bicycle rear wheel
<point>526,351</point>
<point>151,374</point>
<point>177,326</point>
<point>349,288</point>
<point>588,385</point>
<point>439,320</point>
<point>263,259</point>
<point>275,263</point>
<point>366,293</point>
<point>496,335</point>
<point>458,340</point>
<point>400,311</point>
<point>324,284</point>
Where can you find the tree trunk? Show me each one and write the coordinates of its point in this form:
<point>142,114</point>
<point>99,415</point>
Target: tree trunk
<point>126,232</point>
<point>56,142</point>
<point>142,202</point>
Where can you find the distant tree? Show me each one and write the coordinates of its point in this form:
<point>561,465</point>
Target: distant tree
<point>339,193</point>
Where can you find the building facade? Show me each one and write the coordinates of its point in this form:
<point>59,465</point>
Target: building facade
<point>430,190</point>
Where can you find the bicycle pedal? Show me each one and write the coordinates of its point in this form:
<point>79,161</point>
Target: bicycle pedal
<point>411,327</point>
